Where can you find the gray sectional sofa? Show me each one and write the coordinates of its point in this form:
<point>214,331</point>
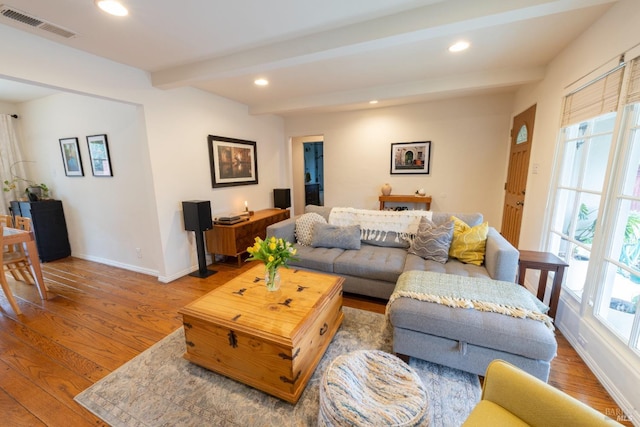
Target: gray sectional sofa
<point>460,338</point>
<point>373,270</point>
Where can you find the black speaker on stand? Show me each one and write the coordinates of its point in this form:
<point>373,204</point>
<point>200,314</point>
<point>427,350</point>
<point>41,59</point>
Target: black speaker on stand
<point>281,198</point>
<point>197,218</point>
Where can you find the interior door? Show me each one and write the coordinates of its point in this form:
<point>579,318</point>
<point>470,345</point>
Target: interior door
<point>516,185</point>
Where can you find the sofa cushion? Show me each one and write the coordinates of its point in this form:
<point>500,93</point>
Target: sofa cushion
<point>304,227</point>
<point>333,236</point>
<point>319,259</point>
<point>372,262</point>
<point>432,241</point>
<point>487,413</point>
<point>525,337</point>
<point>453,266</point>
<point>468,244</point>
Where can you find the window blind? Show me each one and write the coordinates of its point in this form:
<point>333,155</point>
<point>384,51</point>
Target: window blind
<point>594,99</point>
<point>633,93</point>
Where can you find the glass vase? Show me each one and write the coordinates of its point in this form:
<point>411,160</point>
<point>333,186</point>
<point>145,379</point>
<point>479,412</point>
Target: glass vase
<point>272,278</point>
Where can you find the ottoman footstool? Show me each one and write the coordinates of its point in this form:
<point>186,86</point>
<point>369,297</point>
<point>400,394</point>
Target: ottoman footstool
<point>371,388</point>
<point>469,339</point>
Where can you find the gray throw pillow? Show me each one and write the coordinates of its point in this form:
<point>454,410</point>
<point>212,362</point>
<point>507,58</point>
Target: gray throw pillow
<point>432,241</point>
<point>333,236</point>
<point>304,227</point>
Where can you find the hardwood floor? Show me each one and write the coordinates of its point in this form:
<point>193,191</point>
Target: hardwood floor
<point>99,317</point>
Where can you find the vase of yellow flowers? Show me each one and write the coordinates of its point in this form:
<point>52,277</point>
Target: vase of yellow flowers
<point>275,253</point>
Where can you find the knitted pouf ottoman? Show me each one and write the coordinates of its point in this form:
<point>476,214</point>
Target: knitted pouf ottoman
<point>371,388</point>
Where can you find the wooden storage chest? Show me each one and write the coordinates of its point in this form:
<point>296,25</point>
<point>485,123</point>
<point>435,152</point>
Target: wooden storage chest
<point>272,341</point>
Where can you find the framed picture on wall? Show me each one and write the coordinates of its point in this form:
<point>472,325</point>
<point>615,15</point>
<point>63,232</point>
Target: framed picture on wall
<point>232,161</point>
<point>71,157</point>
<point>99,155</point>
<point>411,158</point>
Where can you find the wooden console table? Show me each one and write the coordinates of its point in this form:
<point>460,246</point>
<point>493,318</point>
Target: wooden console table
<point>426,200</point>
<point>233,240</point>
<point>545,262</point>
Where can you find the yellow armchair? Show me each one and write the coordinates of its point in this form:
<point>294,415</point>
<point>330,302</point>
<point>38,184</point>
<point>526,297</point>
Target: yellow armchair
<point>512,397</point>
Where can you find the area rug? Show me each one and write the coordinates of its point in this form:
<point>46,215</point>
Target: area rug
<point>160,388</point>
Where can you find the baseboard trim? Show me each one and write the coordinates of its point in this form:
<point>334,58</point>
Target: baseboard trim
<point>113,263</point>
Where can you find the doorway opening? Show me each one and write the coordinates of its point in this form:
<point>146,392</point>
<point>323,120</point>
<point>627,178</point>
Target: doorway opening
<point>313,173</point>
<point>307,171</point>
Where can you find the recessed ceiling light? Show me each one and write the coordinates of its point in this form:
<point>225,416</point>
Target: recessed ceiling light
<point>112,7</point>
<point>459,46</point>
<point>373,101</point>
<point>261,82</point>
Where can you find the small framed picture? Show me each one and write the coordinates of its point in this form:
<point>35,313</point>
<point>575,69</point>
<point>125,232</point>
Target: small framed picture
<point>71,157</point>
<point>232,161</point>
<point>411,158</point>
<point>99,155</point>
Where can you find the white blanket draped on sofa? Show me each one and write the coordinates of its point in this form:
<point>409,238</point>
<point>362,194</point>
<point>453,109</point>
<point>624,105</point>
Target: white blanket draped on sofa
<point>374,225</point>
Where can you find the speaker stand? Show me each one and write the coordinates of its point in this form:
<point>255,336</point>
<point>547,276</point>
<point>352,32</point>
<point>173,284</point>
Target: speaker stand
<point>202,271</point>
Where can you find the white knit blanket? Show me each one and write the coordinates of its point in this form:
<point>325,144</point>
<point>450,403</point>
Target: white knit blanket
<point>374,225</point>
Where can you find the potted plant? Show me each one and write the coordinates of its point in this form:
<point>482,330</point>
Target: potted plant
<point>33,190</point>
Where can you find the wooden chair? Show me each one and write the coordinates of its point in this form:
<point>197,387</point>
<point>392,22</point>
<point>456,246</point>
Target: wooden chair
<point>16,260</point>
<point>7,221</point>
<point>3,279</point>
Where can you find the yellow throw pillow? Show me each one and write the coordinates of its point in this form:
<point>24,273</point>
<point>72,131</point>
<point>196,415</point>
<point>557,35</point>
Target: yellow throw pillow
<point>469,243</point>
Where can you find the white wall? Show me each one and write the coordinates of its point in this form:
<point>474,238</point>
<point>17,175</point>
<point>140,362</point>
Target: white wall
<point>107,217</point>
<point>470,145</point>
<point>8,108</point>
<point>172,128</point>
<point>616,366</point>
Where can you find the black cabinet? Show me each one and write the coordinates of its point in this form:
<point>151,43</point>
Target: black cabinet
<point>49,227</point>
<point>312,194</point>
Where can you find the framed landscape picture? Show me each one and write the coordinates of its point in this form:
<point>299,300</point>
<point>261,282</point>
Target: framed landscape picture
<point>232,161</point>
<point>411,158</point>
<point>71,157</point>
<point>99,155</point>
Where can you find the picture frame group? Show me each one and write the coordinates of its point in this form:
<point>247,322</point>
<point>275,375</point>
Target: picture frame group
<point>98,156</point>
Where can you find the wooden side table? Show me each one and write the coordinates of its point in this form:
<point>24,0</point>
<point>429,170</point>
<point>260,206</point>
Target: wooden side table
<point>426,200</point>
<point>545,262</point>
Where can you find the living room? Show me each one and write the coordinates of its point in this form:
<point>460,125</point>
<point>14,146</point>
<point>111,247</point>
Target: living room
<point>159,155</point>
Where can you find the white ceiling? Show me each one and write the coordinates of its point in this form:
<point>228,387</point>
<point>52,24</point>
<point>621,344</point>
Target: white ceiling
<point>322,56</point>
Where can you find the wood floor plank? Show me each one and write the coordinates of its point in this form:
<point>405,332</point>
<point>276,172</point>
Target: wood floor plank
<point>76,337</point>
<point>99,317</point>
<point>35,365</point>
<point>131,311</point>
<point>41,404</point>
<point>125,307</point>
<point>18,414</point>
<point>60,354</point>
<point>139,337</point>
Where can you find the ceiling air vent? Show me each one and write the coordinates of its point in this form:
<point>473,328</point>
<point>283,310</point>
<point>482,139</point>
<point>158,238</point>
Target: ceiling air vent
<point>24,18</point>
